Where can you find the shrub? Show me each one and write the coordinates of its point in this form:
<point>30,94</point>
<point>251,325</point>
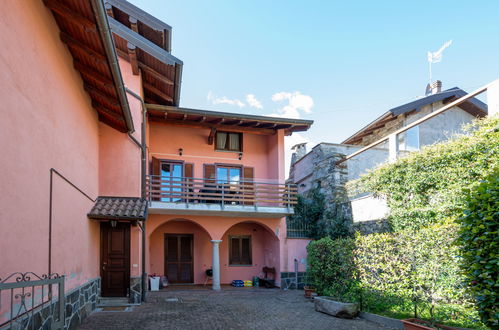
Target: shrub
<point>479,242</point>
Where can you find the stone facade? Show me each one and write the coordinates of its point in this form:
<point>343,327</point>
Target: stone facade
<point>135,290</point>
<point>288,280</point>
<point>79,303</point>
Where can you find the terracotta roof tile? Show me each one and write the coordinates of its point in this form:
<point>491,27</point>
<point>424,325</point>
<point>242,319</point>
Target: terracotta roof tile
<point>119,208</point>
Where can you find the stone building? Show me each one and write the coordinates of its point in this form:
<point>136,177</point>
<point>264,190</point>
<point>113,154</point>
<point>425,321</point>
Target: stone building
<point>318,167</point>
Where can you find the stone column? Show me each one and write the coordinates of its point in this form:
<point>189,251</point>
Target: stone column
<point>493,98</point>
<point>393,147</point>
<point>216,265</point>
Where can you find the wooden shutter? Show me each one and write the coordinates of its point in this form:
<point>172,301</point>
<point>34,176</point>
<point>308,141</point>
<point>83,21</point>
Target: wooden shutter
<point>240,250</point>
<point>188,175</point>
<point>155,181</point>
<point>248,191</point>
<point>235,252</point>
<point>246,250</point>
<point>209,173</point>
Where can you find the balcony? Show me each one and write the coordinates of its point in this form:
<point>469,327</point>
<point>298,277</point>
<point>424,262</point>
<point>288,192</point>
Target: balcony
<point>194,196</point>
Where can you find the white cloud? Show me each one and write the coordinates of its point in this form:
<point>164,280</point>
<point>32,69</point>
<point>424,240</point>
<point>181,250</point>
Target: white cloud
<point>224,100</point>
<point>297,103</point>
<point>253,102</point>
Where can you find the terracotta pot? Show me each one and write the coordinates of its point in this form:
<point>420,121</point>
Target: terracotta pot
<point>417,324</point>
<point>308,291</point>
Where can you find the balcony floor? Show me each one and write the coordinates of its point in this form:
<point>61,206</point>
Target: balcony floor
<point>226,210</point>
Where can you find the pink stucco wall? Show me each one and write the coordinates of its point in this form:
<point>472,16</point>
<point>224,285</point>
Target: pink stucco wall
<point>265,243</point>
<point>262,152</point>
<point>47,121</point>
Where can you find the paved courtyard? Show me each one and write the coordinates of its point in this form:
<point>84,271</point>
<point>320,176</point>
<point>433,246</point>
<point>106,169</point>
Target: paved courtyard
<point>238,308</point>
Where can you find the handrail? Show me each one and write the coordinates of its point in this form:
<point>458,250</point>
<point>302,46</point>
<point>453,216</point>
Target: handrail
<point>211,191</point>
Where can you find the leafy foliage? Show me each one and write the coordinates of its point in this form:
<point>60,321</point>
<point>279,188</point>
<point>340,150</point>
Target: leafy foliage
<point>479,241</point>
<point>427,186</point>
<point>406,273</point>
<point>311,211</point>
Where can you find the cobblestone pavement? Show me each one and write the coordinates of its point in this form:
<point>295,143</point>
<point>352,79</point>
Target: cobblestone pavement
<point>243,308</point>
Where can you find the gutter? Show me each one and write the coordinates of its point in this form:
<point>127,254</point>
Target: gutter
<point>109,48</point>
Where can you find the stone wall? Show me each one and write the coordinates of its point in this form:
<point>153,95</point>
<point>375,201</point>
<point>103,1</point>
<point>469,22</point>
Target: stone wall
<point>135,289</point>
<point>79,303</point>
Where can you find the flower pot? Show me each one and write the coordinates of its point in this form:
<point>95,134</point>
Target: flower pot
<point>308,291</point>
<point>417,324</point>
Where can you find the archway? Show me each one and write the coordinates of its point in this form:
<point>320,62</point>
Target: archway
<point>246,248</point>
<point>181,250</point>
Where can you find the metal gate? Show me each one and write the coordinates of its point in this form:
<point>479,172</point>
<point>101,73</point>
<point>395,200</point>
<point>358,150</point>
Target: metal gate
<point>29,301</point>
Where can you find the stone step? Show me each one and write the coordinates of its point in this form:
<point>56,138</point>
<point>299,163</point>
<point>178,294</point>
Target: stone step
<point>112,302</point>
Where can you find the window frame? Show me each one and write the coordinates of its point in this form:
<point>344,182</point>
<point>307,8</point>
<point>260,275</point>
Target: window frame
<point>229,166</point>
<point>227,142</point>
<point>250,249</point>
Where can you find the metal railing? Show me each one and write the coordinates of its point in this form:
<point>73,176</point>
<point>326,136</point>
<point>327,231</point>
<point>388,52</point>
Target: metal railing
<point>212,191</point>
<point>23,296</point>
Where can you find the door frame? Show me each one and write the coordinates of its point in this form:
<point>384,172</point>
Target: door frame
<point>165,255</point>
<point>127,227</point>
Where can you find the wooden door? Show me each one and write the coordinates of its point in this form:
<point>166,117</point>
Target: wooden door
<point>179,258</point>
<point>115,259</point>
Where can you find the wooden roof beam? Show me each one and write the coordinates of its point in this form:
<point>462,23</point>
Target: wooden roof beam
<point>102,109</point>
<point>65,12</point>
<point>133,24</point>
<point>71,42</point>
<point>132,56</point>
<point>155,74</point>
<point>157,92</point>
<point>88,72</point>
<point>180,123</point>
<point>94,91</point>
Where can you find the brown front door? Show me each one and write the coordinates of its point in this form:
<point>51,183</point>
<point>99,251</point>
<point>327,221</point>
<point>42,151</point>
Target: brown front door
<point>179,266</point>
<point>115,259</point>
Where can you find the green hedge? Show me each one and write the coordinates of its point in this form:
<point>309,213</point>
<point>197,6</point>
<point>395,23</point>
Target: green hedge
<point>479,240</point>
<point>403,274</point>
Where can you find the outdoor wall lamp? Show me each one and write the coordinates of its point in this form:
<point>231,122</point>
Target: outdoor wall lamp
<point>240,156</point>
<point>180,151</point>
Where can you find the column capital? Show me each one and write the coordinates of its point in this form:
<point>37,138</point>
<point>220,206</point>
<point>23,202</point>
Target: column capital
<point>216,241</point>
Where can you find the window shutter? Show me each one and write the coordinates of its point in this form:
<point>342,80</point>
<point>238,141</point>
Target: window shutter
<point>188,175</point>
<point>235,251</point>
<point>209,173</point>
<point>246,251</point>
<point>248,191</point>
<point>155,180</point>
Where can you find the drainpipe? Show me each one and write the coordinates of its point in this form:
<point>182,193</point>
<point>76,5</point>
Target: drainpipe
<point>143,164</point>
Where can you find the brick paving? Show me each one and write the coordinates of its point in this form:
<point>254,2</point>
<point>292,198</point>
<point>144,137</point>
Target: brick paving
<point>238,308</point>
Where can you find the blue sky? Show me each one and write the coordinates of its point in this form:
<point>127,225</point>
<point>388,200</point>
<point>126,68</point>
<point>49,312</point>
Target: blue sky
<point>339,63</point>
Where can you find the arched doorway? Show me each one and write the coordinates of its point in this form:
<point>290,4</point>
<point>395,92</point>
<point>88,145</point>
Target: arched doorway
<point>180,249</point>
<point>245,249</point>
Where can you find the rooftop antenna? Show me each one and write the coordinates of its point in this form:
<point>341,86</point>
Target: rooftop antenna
<point>436,57</point>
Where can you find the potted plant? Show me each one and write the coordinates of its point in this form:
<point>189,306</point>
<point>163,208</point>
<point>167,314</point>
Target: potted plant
<point>309,290</point>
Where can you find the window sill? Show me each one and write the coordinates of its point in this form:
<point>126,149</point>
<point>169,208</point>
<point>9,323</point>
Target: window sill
<point>240,265</point>
<point>231,151</point>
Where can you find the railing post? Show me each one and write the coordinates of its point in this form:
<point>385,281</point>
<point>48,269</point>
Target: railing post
<point>223,193</point>
<point>62,307</point>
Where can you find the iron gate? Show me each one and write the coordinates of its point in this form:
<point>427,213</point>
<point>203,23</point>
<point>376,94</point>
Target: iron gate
<point>29,301</point>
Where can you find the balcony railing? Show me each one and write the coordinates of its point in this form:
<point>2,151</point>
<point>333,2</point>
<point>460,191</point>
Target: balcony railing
<point>211,191</point>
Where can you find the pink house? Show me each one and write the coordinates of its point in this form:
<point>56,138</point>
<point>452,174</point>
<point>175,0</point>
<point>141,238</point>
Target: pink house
<point>106,179</point>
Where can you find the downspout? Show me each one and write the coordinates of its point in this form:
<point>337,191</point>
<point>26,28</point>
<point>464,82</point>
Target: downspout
<point>143,149</point>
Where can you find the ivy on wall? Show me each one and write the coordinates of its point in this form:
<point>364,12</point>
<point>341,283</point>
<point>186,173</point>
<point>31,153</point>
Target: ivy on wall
<point>428,186</point>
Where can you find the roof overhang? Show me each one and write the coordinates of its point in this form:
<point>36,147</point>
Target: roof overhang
<point>161,71</point>
<point>119,208</point>
<point>85,31</point>
<point>225,120</point>
<point>474,107</point>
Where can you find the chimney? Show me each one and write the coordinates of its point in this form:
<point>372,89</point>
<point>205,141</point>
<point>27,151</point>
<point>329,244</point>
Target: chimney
<point>435,87</point>
<point>300,150</point>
